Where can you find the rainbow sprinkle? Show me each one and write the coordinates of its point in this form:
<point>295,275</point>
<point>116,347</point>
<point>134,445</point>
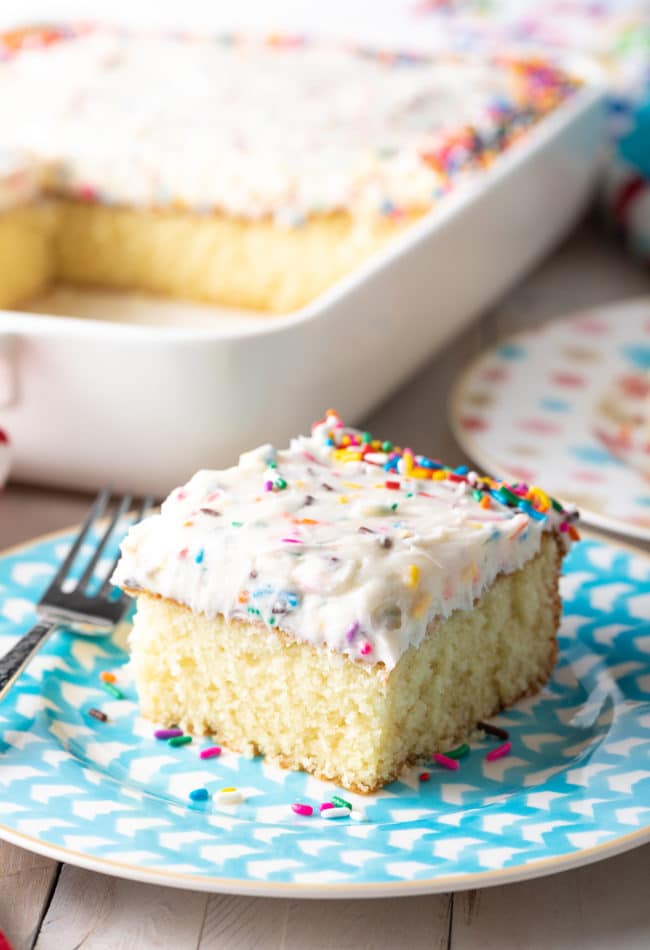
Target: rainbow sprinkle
<point>335,812</point>
<point>459,752</point>
<point>210,753</point>
<point>199,795</point>
<point>229,796</point>
<point>341,802</point>
<point>299,808</point>
<point>179,740</point>
<point>445,761</point>
<point>113,690</point>
<point>172,733</point>
<point>499,752</point>
<point>491,730</point>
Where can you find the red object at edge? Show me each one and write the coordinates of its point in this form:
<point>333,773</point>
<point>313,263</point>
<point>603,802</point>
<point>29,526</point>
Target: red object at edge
<point>4,943</point>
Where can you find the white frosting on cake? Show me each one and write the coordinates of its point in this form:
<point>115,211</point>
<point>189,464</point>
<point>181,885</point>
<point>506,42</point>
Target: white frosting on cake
<point>246,126</point>
<point>330,548</point>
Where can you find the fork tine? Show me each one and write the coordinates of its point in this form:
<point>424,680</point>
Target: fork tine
<point>141,511</point>
<point>90,567</point>
<point>95,512</point>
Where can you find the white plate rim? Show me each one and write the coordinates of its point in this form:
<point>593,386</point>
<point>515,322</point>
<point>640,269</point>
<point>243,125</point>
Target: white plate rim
<point>350,890</point>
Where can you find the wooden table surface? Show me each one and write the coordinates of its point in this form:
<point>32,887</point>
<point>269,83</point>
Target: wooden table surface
<point>49,905</point>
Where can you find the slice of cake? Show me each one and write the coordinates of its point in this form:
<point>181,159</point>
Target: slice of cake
<point>247,171</point>
<point>343,606</point>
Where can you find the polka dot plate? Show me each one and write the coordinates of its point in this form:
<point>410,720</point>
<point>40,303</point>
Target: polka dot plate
<point>567,407</point>
<point>110,797</point>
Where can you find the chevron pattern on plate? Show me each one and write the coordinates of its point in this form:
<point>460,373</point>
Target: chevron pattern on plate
<point>578,775</point>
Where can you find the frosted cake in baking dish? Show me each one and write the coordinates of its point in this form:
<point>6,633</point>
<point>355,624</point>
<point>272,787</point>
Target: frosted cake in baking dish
<point>343,606</point>
<point>243,171</point>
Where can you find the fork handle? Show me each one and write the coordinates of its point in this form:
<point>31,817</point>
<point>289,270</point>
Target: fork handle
<point>14,662</point>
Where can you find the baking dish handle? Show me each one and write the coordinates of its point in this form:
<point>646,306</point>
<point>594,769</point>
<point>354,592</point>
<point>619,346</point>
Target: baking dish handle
<point>8,387</point>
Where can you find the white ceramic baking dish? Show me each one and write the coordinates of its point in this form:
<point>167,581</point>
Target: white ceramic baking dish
<point>90,400</point>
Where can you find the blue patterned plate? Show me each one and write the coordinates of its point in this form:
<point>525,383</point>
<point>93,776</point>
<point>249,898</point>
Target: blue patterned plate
<point>109,797</point>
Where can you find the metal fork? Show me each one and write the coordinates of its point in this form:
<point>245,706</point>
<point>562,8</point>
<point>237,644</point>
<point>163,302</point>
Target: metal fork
<point>61,605</point>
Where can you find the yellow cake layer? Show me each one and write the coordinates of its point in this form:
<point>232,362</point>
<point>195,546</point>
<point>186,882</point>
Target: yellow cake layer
<point>215,258</point>
<point>26,252</point>
<point>262,692</point>
<point>212,258</point>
